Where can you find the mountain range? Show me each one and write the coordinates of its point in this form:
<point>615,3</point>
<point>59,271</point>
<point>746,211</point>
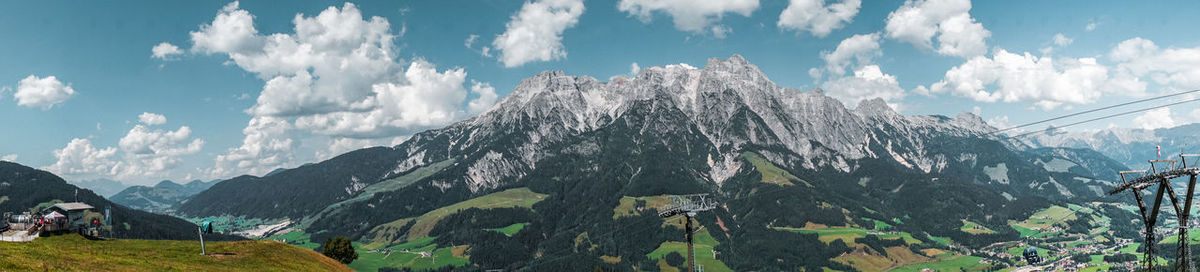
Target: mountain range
<point>23,188</point>
<point>160,198</point>
<point>1132,147</point>
<point>102,186</point>
<point>580,164</point>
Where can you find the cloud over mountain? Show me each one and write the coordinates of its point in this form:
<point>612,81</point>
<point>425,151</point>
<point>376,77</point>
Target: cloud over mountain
<point>335,76</point>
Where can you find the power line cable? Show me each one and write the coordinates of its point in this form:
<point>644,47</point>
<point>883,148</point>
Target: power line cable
<point>1095,110</point>
<point>1105,117</point>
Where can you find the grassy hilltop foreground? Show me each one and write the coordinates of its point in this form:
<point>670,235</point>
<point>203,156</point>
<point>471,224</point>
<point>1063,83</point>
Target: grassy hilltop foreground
<point>74,253</point>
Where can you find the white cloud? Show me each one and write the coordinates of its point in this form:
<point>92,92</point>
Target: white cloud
<point>1062,40</point>
<point>79,157</point>
<point>429,99</point>
<point>141,140</point>
<point>1002,122</point>
<point>1090,26</point>
<point>487,97</point>
<point>151,119</point>
<point>165,51</point>
<point>337,76</point>
<point>1177,68</point>
<point>9,157</point>
<point>150,154</point>
<point>816,17</point>
<point>634,68</point>
<point>535,32</point>
<point>866,83</point>
<point>1155,119</point>
<point>1059,40</point>
<point>339,146</point>
<point>42,92</point>
<point>695,16</point>
<point>145,155</point>
<point>948,21</point>
<point>265,147</point>
<point>231,31</point>
<point>1046,82</point>
<point>861,48</point>
<point>470,40</point>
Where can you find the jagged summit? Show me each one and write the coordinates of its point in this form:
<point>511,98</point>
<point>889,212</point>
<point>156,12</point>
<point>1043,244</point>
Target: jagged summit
<point>730,102</point>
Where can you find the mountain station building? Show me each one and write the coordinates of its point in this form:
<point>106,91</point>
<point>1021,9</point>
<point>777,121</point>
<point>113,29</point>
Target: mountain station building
<point>72,213</point>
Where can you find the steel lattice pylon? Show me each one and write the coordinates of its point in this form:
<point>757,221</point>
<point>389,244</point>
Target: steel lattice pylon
<point>688,206</point>
<point>1183,209</point>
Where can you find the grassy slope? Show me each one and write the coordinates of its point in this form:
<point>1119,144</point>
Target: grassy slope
<point>975,228</point>
<point>704,244</point>
<point>72,252</point>
<point>770,173</point>
<point>628,205</point>
<point>510,230</point>
<point>440,256</point>
<point>968,263</point>
<point>518,197</point>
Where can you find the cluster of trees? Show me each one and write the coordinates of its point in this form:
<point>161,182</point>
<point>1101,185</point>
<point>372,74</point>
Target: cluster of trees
<point>340,249</point>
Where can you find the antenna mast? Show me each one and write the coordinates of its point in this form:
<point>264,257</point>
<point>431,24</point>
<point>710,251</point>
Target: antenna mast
<point>688,206</point>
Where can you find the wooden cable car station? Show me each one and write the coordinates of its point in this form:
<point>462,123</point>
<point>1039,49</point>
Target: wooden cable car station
<point>57,218</point>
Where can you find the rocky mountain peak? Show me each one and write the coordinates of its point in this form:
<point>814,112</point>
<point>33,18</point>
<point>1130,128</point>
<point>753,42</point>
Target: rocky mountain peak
<point>875,107</point>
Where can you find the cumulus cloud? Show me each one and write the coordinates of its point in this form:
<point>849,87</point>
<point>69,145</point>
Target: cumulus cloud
<point>1090,26</point>
<point>430,98</point>
<point>867,80</point>
<point>79,157</point>
<point>949,22</point>
<point>866,83</point>
<point>535,32</point>
<point>1155,119</point>
<point>152,153</point>
<point>141,140</point>
<point>1178,68</point>
<point>165,51</point>
<point>9,157</point>
<point>1046,82</point>
<point>232,31</point>
<point>816,17</point>
<point>486,98</point>
<point>1002,122</point>
<point>143,154</point>
<point>337,75</point>
<point>42,92</point>
<point>151,119</point>
<point>697,16</point>
<point>265,147</point>
<point>861,49</point>
<point>338,146</point>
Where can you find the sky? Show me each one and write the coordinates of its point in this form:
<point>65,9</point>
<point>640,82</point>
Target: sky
<point>149,90</point>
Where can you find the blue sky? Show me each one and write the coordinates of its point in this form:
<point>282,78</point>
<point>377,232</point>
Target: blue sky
<point>84,95</point>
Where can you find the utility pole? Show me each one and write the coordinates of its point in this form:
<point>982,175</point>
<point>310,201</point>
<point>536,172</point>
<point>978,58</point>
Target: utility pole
<point>688,206</point>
